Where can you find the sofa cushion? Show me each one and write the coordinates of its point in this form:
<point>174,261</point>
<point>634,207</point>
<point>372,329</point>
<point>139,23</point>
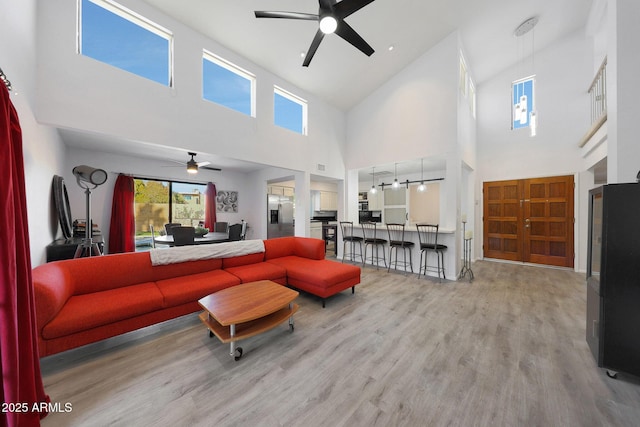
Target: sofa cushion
<point>321,274</point>
<point>308,247</point>
<point>192,287</point>
<point>279,247</point>
<point>242,260</point>
<point>101,273</point>
<point>260,271</point>
<point>83,312</point>
<point>169,271</point>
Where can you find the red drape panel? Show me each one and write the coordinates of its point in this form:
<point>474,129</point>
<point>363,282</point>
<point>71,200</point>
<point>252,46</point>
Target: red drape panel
<point>19,362</point>
<point>123,225</point>
<point>210,208</point>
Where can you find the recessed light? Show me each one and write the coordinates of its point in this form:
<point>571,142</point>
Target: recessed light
<point>391,47</point>
<point>303,54</point>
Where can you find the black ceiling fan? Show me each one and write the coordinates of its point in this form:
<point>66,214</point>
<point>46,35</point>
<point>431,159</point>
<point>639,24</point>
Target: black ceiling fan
<point>331,20</point>
<point>193,166</point>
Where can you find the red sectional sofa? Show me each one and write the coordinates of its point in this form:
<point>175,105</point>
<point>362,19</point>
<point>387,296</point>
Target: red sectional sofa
<point>84,300</point>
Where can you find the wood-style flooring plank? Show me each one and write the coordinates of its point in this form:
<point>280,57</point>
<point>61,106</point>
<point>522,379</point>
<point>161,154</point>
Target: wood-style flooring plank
<point>507,349</point>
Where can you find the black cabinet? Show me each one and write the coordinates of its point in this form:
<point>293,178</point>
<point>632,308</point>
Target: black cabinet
<point>613,277</point>
<point>66,248</point>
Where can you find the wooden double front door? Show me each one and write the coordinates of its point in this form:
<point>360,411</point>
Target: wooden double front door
<point>529,220</point>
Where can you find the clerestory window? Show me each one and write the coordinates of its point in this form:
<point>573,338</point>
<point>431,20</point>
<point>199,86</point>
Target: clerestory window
<point>289,111</point>
<point>115,35</point>
<point>227,84</point>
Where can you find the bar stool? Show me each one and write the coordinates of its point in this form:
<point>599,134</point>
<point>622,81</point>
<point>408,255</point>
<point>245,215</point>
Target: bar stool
<point>348,237</point>
<point>369,229</point>
<point>397,241</point>
<point>428,237</point>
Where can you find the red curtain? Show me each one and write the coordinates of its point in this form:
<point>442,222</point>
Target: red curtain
<point>123,225</point>
<point>210,207</point>
<point>19,362</point>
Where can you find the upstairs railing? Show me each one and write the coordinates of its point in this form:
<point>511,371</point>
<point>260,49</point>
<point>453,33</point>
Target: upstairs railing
<point>598,95</point>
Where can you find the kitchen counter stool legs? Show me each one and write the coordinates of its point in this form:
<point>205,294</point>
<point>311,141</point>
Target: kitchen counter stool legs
<point>349,238</point>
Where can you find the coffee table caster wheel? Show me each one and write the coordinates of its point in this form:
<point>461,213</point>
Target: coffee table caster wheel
<point>238,354</point>
<point>291,328</point>
<point>612,374</point>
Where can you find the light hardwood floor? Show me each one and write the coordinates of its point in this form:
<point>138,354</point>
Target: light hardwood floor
<point>507,349</point>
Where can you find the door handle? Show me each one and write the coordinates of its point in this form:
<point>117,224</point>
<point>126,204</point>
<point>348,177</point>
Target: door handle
<point>527,223</point>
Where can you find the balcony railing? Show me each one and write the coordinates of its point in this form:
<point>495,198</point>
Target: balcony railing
<point>598,95</point>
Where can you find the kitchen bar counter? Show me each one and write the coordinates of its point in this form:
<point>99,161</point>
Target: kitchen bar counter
<point>445,237</point>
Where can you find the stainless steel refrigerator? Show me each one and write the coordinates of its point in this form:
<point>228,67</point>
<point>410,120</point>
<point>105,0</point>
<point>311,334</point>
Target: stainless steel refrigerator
<point>279,216</point>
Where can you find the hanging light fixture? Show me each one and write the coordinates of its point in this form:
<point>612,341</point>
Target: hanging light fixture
<point>192,165</point>
<point>422,187</point>
<point>533,118</point>
<point>524,28</point>
<point>396,184</point>
<point>373,181</point>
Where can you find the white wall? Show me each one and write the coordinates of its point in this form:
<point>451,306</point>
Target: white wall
<point>563,75</point>
<point>411,116</point>
<point>623,69</point>
<point>81,93</point>
<point>419,114</point>
<point>43,150</point>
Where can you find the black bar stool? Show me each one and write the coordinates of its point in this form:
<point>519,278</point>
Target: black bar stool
<point>428,235</point>
<point>369,229</point>
<point>348,237</point>
<point>397,241</point>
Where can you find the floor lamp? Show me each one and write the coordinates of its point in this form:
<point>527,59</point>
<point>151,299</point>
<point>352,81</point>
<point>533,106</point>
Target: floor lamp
<point>88,178</point>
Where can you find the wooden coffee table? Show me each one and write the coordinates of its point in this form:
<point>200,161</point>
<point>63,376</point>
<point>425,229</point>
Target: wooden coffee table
<point>246,310</point>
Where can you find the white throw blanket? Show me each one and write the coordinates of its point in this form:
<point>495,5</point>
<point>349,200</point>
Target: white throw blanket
<point>199,252</point>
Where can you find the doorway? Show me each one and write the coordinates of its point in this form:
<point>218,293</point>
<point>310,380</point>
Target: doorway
<point>530,220</point>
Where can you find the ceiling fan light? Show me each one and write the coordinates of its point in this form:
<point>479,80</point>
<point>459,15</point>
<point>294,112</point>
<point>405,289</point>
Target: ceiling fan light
<point>192,167</point>
<point>328,24</point>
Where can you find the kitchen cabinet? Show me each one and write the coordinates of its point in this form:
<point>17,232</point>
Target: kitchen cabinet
<point>328,201</point>
<point>316,229</point>
<point>375,201</point>
<point>395,205</point>
<point>411,206</point>
<point>278,190</point>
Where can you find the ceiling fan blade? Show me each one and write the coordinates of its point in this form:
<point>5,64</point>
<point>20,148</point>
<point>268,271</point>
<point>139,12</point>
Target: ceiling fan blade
<point>205,163</point>
<point>314,46</point>
<point>286,15</point>
<point>347,7</point>
<point>345,31</point>
<point>211,168</point>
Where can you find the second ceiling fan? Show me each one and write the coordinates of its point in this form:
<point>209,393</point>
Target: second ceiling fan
<point>331,20</point>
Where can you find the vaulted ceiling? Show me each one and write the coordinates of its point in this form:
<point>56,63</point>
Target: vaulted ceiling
<point>339,73</point>
<point>342,75</point>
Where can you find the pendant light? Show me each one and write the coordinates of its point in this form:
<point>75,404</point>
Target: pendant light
<point>521,30</point>
<point>373,181</point>
<point>533,119</point>
<point>396,184</point>
<point>422,187</point>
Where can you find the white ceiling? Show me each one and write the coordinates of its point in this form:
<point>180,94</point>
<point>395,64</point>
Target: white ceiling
<point>339,73</point>
<point>342,75</point>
